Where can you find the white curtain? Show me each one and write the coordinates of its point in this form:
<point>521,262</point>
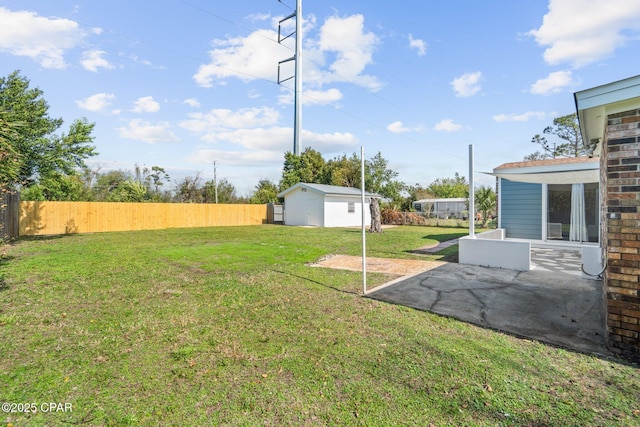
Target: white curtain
<point>578,227</point>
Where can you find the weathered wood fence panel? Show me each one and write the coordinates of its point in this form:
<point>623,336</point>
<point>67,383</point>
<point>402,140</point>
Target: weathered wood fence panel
<point>43,218</point>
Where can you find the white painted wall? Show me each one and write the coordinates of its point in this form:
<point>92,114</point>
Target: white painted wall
<point>303,208</point>
<point>336,212</point>
<point>313,208</point>
<point>495,252</point>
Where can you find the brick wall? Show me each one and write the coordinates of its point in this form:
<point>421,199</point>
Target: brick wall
<point>621,194</point>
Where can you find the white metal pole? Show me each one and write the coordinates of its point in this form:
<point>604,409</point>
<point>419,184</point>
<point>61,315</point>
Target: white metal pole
<point>472,198</point>
<point>297,99</point>
<point>364,234</point>
<point>215,181</point>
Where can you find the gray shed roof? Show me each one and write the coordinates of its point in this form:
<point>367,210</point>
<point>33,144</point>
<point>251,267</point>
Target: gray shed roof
<point>328,190</point>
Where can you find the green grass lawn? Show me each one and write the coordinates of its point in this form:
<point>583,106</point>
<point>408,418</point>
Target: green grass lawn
<point>229,326</point>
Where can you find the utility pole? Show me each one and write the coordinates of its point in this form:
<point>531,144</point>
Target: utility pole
<point>297,76</point>
<point>215,181</point>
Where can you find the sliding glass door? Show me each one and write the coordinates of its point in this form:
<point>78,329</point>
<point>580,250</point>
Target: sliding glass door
<point>573,212</point>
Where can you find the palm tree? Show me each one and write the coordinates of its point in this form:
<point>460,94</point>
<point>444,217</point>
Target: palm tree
<point>486,202</point>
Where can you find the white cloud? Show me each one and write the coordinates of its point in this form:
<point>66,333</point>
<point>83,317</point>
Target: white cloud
<point>523,117</point>
<point>279,139</point>
<point>257,129</point>
<point>240,158</point>
<point>344,40</point>
<point>140,130</point>
<point>398,127</point>
<point>353,48</point>
<point>467,84</point>
<point>447,125</point>
<point>44,40</point>
<point>418,44</point>
<point>321,97</point>
<point>247,58</point>
<point>220,119</point>
<point>98,102</point>
<point>584,31</point>
<point>553,83</point>
<point>92,60</point>
<point>146,104</point>
<point>192,102</point>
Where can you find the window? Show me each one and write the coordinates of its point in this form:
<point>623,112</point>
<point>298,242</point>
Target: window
<point>573,212</point>
<point>352,207</point>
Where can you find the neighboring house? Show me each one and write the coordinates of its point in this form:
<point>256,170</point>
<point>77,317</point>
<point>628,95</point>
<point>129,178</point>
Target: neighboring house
<point>550,200</point>
<point>443,208</point>
<point>323,205</point>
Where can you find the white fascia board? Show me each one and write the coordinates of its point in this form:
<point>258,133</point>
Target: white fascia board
<point>568,167</point>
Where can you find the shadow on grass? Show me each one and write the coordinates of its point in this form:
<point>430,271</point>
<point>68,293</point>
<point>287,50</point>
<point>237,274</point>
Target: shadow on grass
<point>43,238</point>
<point>444,237</point>
<point>316,282</point>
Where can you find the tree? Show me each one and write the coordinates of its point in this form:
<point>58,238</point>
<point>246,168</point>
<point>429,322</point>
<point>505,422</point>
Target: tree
<point>343,171</point>
<point>307,167</point>
<point>374,208</point>
<point>567,128</point>
<point>380,179</point>
<point>189,190</point>
<point>535,156</point>
<point>107,182</point>
<point>226,192</point>
<point>58,188</point>
<point>486,201</point>
<point>446,188</point>
<point>41,155</point>
<point>158,177</point>
<point>9,156</point>
<point>151,179</point>
<point>265,192</point>
<point>129,190</point>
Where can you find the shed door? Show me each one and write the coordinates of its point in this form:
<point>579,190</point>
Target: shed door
<point>313,212</point>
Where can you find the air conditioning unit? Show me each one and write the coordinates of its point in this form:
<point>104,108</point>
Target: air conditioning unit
<point>592,267</point>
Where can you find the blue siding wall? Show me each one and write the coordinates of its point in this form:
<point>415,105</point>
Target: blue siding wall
<point>521,209</point>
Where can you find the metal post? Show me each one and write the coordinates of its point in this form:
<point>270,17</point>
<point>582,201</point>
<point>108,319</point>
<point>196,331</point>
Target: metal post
<point>364,234</point>
<point>215,181</point>
<point>472,196</point>
<point>297,100</point>
<point>297,75</point>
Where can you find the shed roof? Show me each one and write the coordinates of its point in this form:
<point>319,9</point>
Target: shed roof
<point>328,190</point>
<point>450,200</point>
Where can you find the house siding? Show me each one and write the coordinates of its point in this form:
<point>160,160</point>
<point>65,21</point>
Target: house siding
<point>621,189</point>
<point>520,209</point>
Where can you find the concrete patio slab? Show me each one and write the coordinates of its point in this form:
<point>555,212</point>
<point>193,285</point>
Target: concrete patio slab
<point>545,304</point>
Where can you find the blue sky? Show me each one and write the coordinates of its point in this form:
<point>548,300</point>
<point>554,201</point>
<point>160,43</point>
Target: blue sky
<point>181,84</point>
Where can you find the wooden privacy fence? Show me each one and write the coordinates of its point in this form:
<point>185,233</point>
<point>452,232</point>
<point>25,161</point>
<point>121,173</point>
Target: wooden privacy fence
<point>43,218</point>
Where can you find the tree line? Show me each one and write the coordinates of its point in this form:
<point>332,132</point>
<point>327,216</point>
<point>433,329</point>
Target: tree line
<point>44,164</point>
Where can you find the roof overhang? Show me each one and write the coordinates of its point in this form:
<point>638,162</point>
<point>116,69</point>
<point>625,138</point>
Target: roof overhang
<point>552,172</point>
<point>565,177</point>
<point>595,104</point>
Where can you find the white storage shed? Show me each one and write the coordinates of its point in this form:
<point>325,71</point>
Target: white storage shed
<point>323,205</point>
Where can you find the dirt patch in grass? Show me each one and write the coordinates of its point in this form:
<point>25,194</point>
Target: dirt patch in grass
<point>400,267</point>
